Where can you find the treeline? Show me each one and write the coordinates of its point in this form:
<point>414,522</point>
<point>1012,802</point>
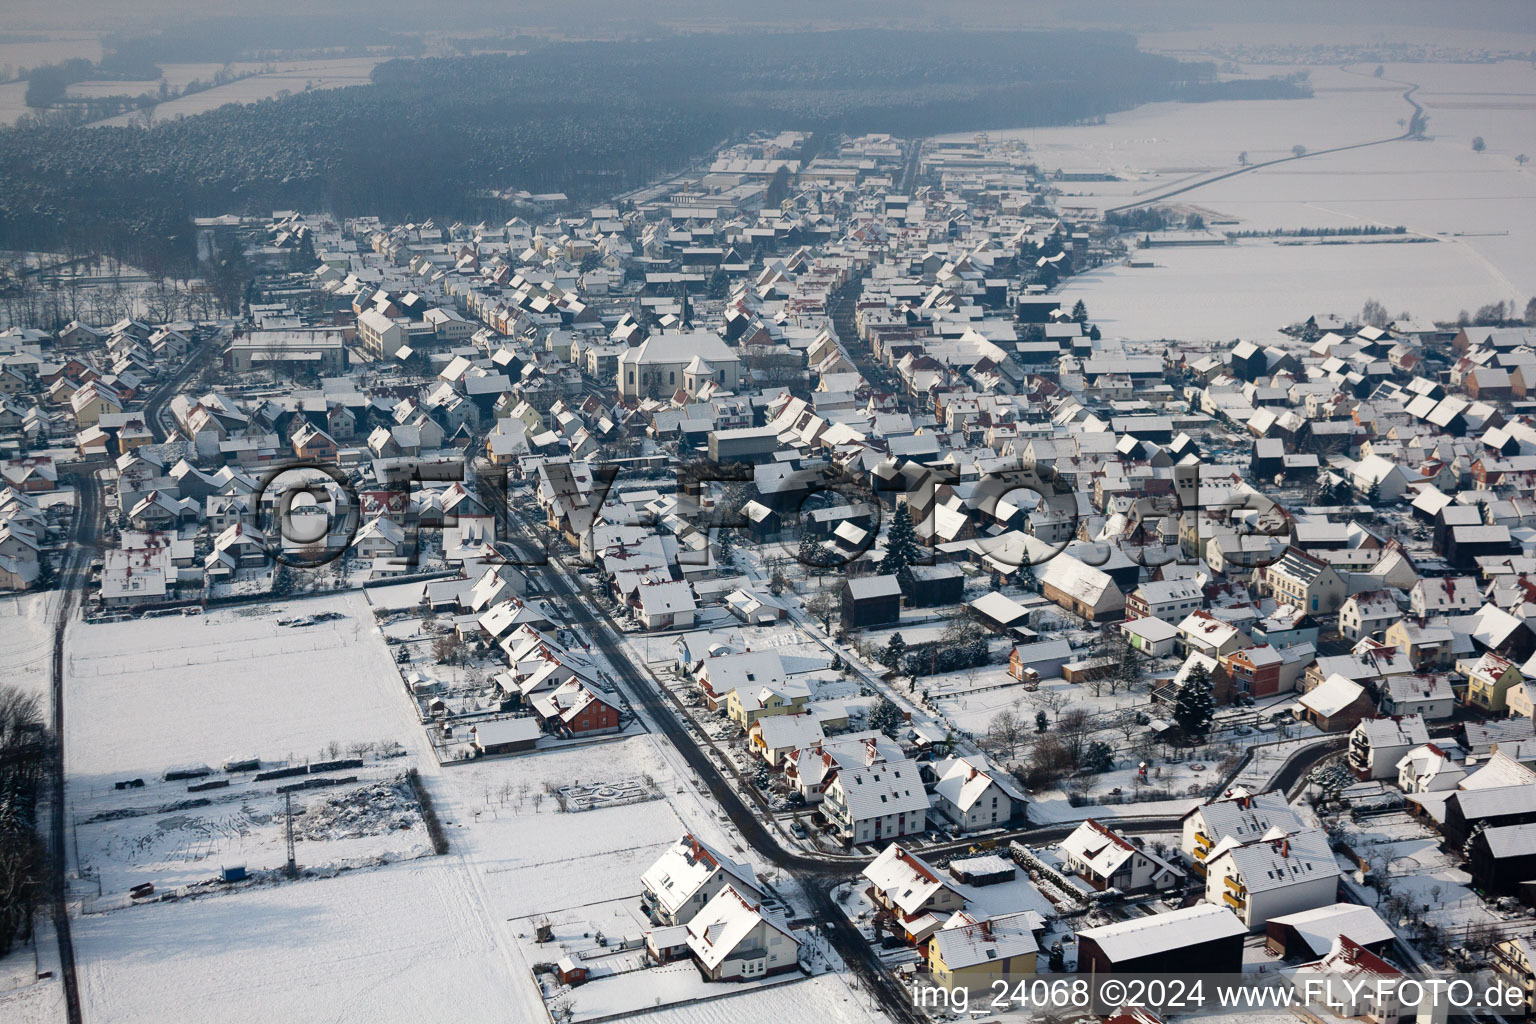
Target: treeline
<point>25,751</point>
<point>1346,232</point>
<point>1291,87</point>
<point>587,119</point>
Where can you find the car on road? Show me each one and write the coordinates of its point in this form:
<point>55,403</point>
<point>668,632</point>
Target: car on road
<point>798,830</point>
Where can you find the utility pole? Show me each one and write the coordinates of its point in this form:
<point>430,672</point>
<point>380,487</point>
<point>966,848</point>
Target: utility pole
<point>292,868</point>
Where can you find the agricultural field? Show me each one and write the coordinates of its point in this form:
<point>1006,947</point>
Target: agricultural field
<point>1474,211</point>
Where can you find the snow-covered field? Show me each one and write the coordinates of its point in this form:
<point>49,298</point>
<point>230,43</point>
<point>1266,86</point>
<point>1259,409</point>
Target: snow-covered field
<point>148,694</point>
<point>26,641</point>
<point>403,943</point>
<point>287,76</point>
<point>1480,206</point>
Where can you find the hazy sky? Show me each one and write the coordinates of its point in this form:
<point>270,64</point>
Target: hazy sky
<point>603,16</point>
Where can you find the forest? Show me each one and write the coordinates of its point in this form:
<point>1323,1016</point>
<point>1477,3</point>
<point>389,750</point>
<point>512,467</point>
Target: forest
<point>588,119</point>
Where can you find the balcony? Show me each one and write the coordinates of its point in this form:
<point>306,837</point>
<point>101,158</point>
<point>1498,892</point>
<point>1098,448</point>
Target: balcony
<point>1234,885</point>
<point>1235,902</point>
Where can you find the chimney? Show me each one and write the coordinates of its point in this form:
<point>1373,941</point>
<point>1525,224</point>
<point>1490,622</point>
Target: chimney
<point>1285,848</point>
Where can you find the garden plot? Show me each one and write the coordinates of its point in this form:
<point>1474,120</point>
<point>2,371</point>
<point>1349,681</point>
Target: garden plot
<point>825,999</point>
<point>595,795</point>
<point>176,845</point>
<point>157,692</point>
<point>607,939</point>
<point>1428,878</point>
<point>535,858</point>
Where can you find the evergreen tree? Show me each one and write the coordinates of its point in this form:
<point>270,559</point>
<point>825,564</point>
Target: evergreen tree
<point>1080,312</point>
<point>1042,721</point>
<point>1194,706</point>
<point>886,717</point>
<point>895,649</point>
<point>900,543</point>
<point>1098,758</point>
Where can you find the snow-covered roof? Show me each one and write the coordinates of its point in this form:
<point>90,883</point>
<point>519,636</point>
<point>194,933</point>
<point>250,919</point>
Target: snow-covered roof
<point>683,869</point>
<point>1319,927</point>
<point>1160,933</point>
<point>1334,695</point>
<point>906,879</point>
<point>725,922</point>
<point>965,941</point>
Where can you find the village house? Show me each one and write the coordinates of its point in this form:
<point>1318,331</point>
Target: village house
<point>1268,877</point>
<point>1105,859</point>
<point>1337,705</point>
<point>1428,769</point>
<point>1239,817</point>
<point>1377,745</point>
<point>1305,581</point>
<point>1428,696</point>
<point>978,952</point>
<point>1488,681</point>
<point>687,876</point>
<point>880,801</point>
<point>1082,589</point>
<point>735,938</point>
<point>974,795</point>
<point>1367,614</point>
<point>914,895</point>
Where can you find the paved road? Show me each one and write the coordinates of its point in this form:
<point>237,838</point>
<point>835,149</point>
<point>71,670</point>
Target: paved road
<point>172,384</point>
<point>73,578</point>
<point>1407,95</point>
<point>817,874</point>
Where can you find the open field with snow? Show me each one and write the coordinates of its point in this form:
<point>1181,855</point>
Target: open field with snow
<point>286,76</point>
<point>157,692</point>
<point>1480,207</point>
<point>26,641</point>
<point>402,943</point>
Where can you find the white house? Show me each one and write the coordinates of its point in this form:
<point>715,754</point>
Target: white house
<point>878,801</point>
<point>918,897</point>
<point>1429,696</point>
<point>1367,613</point>
<point>1239,815</point>
<point>1454,596</point>
<point>975,795</point>
<point>1107,860</point>
<point>1377,744</point>
<point>687,877</point>
<point>735,938</point>
<point>1272,876</point>
<point>1428,769</point>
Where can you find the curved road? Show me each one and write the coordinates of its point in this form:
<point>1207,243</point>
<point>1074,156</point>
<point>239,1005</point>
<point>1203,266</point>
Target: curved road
<point>817,874</point>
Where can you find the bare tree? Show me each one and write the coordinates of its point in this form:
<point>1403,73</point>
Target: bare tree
<point>1074,728</point>
<point>1006,732</point>
<point>1053,701</point>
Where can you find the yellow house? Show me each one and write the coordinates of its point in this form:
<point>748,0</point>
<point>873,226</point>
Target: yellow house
<point>1488,681</point>
<point>91,403</point>
<point>1428,647</point>
<point>977,952</point>
<point>746,706</point>
<point>1515,962</point>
